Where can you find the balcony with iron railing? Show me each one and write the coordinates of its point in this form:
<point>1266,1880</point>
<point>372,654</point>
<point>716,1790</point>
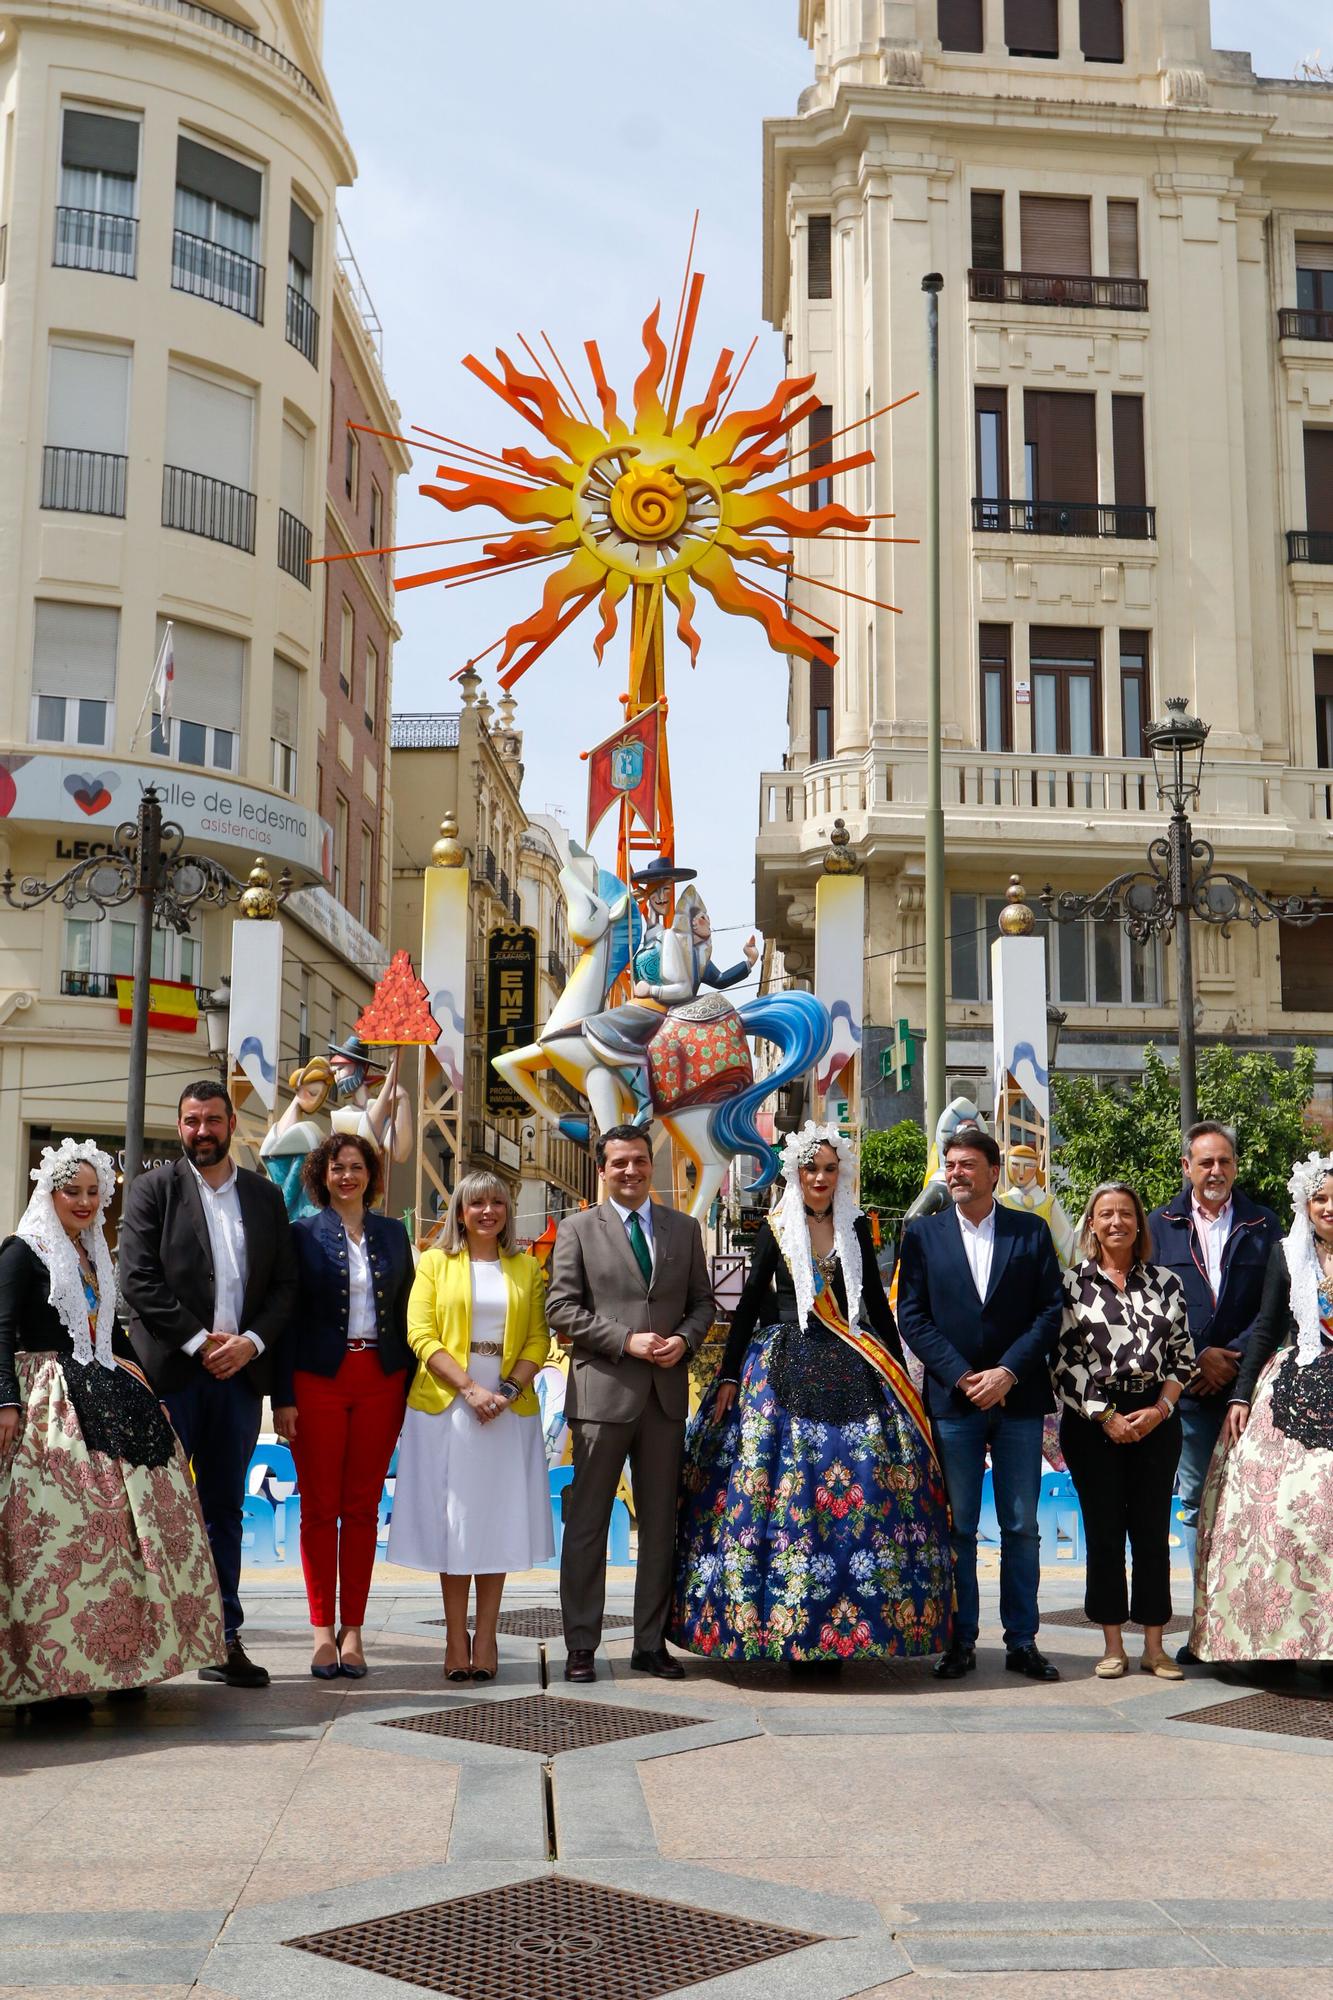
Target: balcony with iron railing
<point>556,968</point>
<point>91,239</point>
<point>208,270</point>
<point>294,547</point>
<point>79,985</point>
<point>204,17</point>
<point>302,325</point>
<point>1309,545</point>
<point>1088,520</point>
<point>83,482</point>
<point>199,505</point>
<point>1296,323</point>
<point>1045,288</point>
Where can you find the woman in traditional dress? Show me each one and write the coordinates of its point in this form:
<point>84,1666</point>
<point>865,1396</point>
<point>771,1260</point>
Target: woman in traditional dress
<point>813,1524</point>
<point>472,1498</point>
<point>1264,1576</point>
<point>106,1581</point>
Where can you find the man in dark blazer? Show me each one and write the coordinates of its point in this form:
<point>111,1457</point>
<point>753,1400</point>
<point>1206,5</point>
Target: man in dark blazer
<point>980,1303</point>
<point>629,1292</point>
<point>1218,1242</point>
<point>209,1273</point>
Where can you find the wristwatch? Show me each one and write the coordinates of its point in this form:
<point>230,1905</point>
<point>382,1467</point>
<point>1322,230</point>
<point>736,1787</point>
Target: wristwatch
<point>508,1389</point>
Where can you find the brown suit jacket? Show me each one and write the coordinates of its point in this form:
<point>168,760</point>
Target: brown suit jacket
<point>597,1297</point>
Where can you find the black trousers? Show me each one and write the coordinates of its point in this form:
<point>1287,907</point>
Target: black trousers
<point>1124,1491</point>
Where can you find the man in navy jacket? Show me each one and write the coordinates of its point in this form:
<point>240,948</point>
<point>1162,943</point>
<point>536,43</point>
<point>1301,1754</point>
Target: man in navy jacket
<point>979,1303</point>
<point>1218,1242</point>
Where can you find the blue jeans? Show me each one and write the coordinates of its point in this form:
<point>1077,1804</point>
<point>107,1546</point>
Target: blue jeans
<point>218,1426</point>
<point>1015,1450</point>
<point>1201,1419</point>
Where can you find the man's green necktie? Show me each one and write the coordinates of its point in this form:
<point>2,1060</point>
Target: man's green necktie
<point>638,1243</point>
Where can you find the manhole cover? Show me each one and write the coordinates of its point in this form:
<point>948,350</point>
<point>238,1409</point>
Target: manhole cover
<point>1273,1714</point>
<point>538,1621</point>
<point>544,1723</point>
<point>555,1938</point>
<point>1076,1618</point>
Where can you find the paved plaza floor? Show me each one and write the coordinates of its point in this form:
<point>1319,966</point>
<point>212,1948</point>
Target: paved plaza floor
<point>878,1833</point>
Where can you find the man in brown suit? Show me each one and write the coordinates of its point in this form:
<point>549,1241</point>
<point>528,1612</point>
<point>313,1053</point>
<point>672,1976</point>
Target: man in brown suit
<point>629,1292</point>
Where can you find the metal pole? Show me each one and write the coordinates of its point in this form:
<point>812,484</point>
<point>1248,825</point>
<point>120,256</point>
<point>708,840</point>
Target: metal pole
<point>1181,838</point>
<point>936,1060</point>
<point>149,856</point>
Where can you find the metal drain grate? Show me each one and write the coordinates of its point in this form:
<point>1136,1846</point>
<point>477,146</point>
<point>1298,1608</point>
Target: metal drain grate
<point>1273,1714</point>
<point>544,1723</point>
<point>555,1938</point>
<point>538,1621</point>
<point>1076,1619</point>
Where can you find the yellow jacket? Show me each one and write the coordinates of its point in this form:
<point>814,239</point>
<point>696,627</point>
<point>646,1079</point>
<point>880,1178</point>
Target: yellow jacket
<point>439,1320</point>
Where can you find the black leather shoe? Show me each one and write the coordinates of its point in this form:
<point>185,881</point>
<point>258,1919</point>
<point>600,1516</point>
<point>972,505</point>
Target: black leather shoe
<point>1187,1657</point>
<point>238,1670</point>
<point>659,1662</point>
<point>581,1664</point>
<point>1028,1661</point>
<point>959,1660</point>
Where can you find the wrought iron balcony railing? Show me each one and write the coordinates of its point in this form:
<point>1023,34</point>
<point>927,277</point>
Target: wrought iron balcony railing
<point>83,482</point>
<point>1309,545</point>
<point>208,270</point>
<point>90,239</point>
<point>198,505</point>
<point>1046,288</point>
<point>294,547</point>
<point>1089,520</point>
<point>1295,323</point>
<point>302,325</point>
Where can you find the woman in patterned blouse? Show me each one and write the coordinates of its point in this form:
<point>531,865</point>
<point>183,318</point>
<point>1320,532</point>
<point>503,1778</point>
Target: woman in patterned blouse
<point>1121,1362</point>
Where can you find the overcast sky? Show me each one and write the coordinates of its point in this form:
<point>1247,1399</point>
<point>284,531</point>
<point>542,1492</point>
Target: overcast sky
<point>536,165</point>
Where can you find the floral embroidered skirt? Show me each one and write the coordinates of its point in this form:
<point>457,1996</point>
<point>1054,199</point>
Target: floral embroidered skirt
<point>807,1537</point>
<point>106,1580</point>
<point>1264,1576</point>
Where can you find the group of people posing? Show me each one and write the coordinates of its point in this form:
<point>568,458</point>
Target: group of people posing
<point>819,1507</point>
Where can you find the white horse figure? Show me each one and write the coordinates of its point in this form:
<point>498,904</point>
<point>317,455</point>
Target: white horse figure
<point>707,1108</point>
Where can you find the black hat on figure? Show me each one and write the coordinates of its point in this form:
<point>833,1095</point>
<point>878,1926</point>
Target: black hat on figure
<point>659,873</point>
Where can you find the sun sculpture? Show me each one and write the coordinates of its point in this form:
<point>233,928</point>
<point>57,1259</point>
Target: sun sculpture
<point>650,504</point>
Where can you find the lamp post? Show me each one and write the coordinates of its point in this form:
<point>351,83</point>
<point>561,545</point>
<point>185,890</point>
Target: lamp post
<point>936,1056</point>
<point>147,865</point>
<point>1170,893</point>
<point>216,1011</point>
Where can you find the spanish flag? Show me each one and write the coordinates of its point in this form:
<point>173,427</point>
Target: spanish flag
<point>171,1005</point>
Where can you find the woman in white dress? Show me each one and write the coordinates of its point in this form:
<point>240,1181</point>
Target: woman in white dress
<point>472,1495</point>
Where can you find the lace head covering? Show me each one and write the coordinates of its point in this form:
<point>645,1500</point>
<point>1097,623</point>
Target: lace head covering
<point>1307,1177</point>
<point>44,1233</point>
<point>789,1225</point>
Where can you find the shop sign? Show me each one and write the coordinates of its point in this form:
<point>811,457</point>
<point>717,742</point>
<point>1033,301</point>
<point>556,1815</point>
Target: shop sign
<point>511,1006</point>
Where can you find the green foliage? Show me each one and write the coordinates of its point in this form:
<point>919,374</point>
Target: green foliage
<point>1133,1133</point>
<point>893,1166</point>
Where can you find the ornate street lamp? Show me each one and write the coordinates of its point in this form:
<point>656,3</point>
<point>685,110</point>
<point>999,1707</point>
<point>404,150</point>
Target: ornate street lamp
<point>146,865</point>
<point>1170,891</point>
<point>216,1010</point>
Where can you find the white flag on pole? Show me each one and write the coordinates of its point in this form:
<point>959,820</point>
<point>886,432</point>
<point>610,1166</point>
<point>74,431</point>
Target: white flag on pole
<point>157,701</point>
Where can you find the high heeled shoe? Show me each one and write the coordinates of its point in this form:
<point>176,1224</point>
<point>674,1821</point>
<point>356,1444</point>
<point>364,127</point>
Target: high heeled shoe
<point>350,1670</point>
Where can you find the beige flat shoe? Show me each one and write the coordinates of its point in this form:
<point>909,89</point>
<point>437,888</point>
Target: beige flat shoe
<point>1165,1669</point>
<point>1112,1668</point>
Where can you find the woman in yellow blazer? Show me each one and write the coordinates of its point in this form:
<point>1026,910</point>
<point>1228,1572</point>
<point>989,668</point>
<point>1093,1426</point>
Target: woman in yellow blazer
<point>472,1494</point>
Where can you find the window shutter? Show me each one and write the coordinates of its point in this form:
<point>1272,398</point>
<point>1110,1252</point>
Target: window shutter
<point>87,398</point>
<point>1323,709</point>
<point>1063,645</point>
<point>286,701</point>
<point>99,144</point>
<point>208,427</point>
<point>1056,235</point>
<point>1063,427</point>
<point>1131,483</point>
<point>74,650</point>
<point>819,257</point>
<point>217,178</point>
<point>1306,958</point>
<point>821,698</point>
<point>960,26</point>
<point>992,481</point>
<point>292,482</point>
<point>1032,27</point>
<point>1101,31</point>
<point>301,238</point>
<point>1319,482</point>
<point>1122,239</point>
<point>988,232</point>
<point>1314,256</point>
<point>209,675</point>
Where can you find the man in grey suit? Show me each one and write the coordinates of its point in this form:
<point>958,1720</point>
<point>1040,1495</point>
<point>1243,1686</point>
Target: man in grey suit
<point>629,1292</point>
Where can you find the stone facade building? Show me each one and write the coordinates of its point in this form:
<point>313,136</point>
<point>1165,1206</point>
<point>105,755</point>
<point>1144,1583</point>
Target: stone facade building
<point>1135,235</point>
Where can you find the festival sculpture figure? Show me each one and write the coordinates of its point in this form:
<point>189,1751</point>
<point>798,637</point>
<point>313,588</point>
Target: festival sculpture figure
<point>1025,1192</point>
<point>345,1073</point>
<point>670,1054</point>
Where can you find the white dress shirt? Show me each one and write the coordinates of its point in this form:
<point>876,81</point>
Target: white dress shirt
<point>1213,1231</point>
<point>226,1239</point>
<point>978,1247</point>
<point>361,1295</point>
<point>645,1215</point>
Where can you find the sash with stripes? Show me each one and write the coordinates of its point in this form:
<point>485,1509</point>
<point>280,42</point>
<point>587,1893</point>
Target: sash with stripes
<point>873,1351</point>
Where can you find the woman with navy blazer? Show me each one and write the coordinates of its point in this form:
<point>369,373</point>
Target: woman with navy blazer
<point>342,1389</point>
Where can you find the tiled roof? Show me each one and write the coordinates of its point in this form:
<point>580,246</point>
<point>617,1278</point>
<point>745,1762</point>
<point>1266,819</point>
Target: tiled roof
<point>423,732</point>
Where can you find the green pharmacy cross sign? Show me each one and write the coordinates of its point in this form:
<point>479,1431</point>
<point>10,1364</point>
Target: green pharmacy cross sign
<point>897,1061</point>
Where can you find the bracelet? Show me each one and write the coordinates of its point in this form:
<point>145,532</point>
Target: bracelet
<point>1166,1406</point>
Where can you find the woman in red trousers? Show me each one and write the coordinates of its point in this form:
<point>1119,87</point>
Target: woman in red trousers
<point>342,1385</point>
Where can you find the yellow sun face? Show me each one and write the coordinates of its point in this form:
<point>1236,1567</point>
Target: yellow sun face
<point>646,515</point>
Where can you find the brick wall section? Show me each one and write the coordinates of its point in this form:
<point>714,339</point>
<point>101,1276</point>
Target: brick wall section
<point>365,586</point>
